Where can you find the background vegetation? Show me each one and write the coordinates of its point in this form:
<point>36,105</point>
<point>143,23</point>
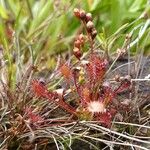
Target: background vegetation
<point>49,26</point>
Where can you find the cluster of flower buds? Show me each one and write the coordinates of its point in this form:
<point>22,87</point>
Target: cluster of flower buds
<point>87,19</point>
<point>79,42</point>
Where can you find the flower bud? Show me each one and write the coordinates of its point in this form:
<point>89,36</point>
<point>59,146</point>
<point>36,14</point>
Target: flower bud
<point>81,37</point>
<point>77,52</point>
<point>77,43</point>
<point>82,14</point>
<point>88,17</point>
<point>89,25</point>
<point>94,33</point>
<point>77,12</point>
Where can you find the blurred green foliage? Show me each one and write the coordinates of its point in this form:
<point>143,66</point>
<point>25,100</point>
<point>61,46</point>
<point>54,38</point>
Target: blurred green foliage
<point>46,27</point>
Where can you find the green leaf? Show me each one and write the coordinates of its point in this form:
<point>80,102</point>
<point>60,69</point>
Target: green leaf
<point>3,12</point>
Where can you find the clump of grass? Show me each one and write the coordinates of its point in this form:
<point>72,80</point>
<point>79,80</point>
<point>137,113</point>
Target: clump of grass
<point>78,101</point>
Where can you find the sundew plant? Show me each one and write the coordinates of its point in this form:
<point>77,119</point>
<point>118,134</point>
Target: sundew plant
<point>74,75</point>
